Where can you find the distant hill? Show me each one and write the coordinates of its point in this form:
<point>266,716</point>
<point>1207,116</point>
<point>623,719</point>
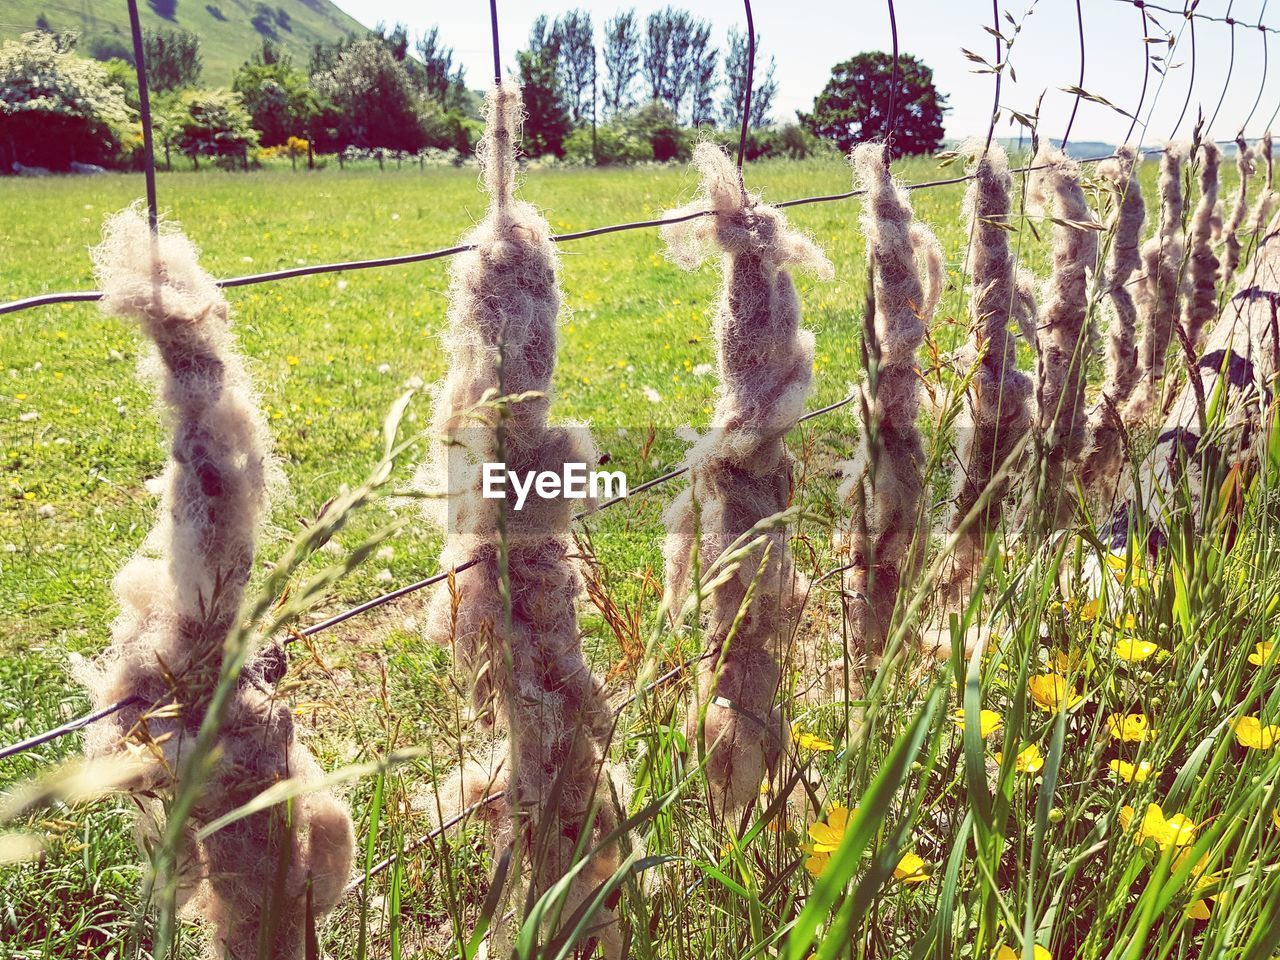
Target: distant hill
<point>230,31</point>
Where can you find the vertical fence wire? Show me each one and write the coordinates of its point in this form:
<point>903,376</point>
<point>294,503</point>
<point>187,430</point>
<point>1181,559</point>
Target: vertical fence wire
<point>1231,66</point>
<point>144,115</point>
<point>1262,85</point>
<point>1191,82</point>
<point>746,91</point>
<point>891,117</point>
<point>1071,121</point>
<point>1146,76</point>
<point>999,71</point>
<point>497,53</point>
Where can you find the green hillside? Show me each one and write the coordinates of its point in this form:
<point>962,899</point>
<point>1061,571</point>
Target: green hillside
<point>230,31</point>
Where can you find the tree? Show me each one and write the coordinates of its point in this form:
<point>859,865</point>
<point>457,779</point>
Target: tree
<point>576,63</point>
<point>277,96</point>
<point>546,115</point>
<point>763,87</point>
<point>854,105</point>
<point>373,101</point>
<point>678,60</point>
<point>702,75</point>
<point>56,107</point>
<point>622,61</point>
<point>442,82</point>
<point>173,59</point>
<point>213,123</point>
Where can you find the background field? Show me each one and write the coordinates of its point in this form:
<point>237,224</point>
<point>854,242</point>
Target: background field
<point>329,354</point>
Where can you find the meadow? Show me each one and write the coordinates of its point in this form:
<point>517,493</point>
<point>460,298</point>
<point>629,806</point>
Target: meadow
<point>1032,851</point>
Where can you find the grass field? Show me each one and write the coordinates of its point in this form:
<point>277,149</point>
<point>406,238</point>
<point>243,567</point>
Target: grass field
<point>1006,859</point>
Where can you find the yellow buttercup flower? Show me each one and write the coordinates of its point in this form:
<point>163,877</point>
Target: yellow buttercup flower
<point>826,838</point>
<point>1130,727</point>
<point>1133,773</point>
<point>1176,831</point>
<point>809,741</point>
<point>1052,692</point>
<point>1261,651</point>
<point>1197,911</point>
<point>1275,817</point>
<point>910,869</point>
<point>1007,952</point>
<point>988,721</point>
<point>1028,760</point>
<point>1120,566</point>
<point>1134,650</point>
<point>1252,733</point>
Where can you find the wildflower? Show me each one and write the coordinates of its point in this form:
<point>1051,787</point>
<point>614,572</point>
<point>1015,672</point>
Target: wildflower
<point>291,360</point>
<point>1067,661</point>
<point>1251,733</point>
<point>1120,567</point>
<point>1130,727</point>
<point>826,838</point>
<point>1052,692</point>
<point>1197,911</point>
<point>809,741</point>
<point>1134,650</point>
<point>1131,772</point>
<point>1028,760</point>
<point>1176,831</point>
<point>988,721</point>
<point>1007,952</point>
<point>1261,652</point>
<point>910,869</point>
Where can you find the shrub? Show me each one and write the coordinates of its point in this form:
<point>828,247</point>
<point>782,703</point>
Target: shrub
<point>614,144</point>
<point>56,107</point>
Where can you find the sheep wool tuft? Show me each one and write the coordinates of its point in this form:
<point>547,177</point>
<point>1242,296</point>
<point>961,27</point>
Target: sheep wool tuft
<point>997,412</point>
<point>528,675</point>
<point>1062,332</point>
<point>1245,167</point>
<point>180,598</point>
<point>1202,295</point>
<point>886,483</point>
<point>1160,287</point>
<point>740,471</point>
<point>1106,452</point>
<point>1267,200</point>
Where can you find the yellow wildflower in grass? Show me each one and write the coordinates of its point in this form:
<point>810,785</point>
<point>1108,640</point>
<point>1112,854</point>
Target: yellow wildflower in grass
<point>809,741</point>
<point>1067,661</point>
<point>1176,831</point>
<point>1052,692</point>
<point>1120,566</point>
<point>1134,650</point>
<point>1261,651</point>
<point>826,838</point>
<point>1130,727</point>
<point>1275,817</point>
<point>988,721</point>
<point>1007,952</point>
<point>1197,911</point>
<point>1028,760</point>
<point>1133,773</point>
<point>1252,733</point>
<point>910,869</point>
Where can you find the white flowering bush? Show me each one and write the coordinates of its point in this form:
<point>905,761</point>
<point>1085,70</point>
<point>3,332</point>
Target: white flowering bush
<point>57,107</point>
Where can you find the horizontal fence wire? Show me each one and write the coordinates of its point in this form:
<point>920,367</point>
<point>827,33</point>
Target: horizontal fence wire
<point>337,619</point>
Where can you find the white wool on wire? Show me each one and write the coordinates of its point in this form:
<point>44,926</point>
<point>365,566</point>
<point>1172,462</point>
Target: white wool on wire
<point>180,598</point>
<point>528,675</point>
<point>740,471</point>
<point>1063,333</point>
<point>1106,429</point>
<point>885,482</point>
<point>1159,287</point>
<point>1245,167</point>
<point>997,412</point>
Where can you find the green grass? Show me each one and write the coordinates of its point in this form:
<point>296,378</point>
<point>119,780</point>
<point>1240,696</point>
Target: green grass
<point>225,43</point>
<point>329,355</point>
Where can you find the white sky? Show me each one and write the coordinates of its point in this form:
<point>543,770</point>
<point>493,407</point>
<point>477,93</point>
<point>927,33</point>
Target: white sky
<point>809,36</point>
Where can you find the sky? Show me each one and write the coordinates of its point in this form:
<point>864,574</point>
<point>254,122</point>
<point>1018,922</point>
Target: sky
<point>808,37</point>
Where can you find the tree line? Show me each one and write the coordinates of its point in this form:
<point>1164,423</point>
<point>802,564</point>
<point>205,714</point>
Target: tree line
<point>640,90</point>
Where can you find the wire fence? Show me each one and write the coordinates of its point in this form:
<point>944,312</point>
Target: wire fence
<point>1189,15</point>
